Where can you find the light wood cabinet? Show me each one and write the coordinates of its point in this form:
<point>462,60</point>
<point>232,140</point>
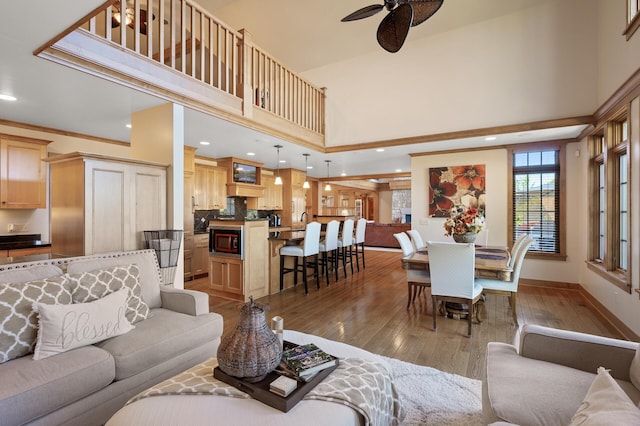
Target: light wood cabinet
<point>201,254</point>
<point>188,210</point>
<point>210,188</point>
<point>272,199</point>
<point>226,274</point>
<point>23,177</point>
<point>101,204</point>
<point>293,198</point>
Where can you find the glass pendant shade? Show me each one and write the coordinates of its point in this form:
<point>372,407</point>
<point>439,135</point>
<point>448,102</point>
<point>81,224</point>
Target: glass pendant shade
<point>306,185</point>
<point>278,180</point>
<point>327,187</point>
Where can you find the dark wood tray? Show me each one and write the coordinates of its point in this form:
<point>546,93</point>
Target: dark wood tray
<point>260,390</point>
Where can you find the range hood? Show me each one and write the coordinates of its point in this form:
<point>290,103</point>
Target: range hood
<point>249,190</point>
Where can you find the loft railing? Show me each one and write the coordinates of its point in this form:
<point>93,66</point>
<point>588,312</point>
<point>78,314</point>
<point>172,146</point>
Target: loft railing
<point>181,35</point>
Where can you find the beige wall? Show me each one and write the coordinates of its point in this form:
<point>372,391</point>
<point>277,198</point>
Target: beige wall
<point>536,64</point>
<point>385,201</point>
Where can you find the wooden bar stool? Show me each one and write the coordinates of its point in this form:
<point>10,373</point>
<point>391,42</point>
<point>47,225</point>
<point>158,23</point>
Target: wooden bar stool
<point>309,248</point>
<point>330,246</point>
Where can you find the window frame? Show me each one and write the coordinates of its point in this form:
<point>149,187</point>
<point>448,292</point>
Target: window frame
<point>535,147</point>
<point>606,145</point>
<point>633,18</point>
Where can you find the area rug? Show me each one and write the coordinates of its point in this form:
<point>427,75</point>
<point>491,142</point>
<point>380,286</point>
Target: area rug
<point>433,397</point>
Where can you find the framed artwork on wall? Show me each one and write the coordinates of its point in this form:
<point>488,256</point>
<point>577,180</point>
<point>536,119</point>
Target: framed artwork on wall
<point>454,186</point>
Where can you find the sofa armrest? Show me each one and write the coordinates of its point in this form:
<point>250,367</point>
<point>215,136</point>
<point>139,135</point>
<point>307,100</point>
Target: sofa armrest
<point>190,302</point>
<point>581,351</point>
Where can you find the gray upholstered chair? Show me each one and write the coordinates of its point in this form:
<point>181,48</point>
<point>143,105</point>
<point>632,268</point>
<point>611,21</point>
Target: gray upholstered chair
<point>452,270</point>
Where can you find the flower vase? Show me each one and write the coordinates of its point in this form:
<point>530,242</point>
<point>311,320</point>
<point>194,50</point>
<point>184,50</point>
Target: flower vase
<point>252,351</point>
<point>469,237</point>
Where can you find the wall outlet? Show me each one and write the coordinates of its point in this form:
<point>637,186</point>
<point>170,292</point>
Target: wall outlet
<point>11,227</point>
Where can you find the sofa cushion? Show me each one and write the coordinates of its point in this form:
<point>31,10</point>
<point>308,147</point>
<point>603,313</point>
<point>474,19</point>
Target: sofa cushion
<point>150,279</point>
<point>159,338</point>
<point>526,391</point>
<point>66,327</point>
<point>32,273</point>
<point>31,389</point>
<point>606,404</point>
<point>93,285</point>
<point>18,321</point>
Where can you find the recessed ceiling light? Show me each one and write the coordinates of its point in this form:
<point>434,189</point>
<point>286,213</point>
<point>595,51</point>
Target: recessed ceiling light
<point>490,138</point>
<point>343,174</point>
<point>128,126</point>
<point>205,143</point>
<point>7,97</point>
<point>283,161</point>
<point>309,167</point>
<point>380,150</point>
<point>250,154</point>
<point>398,170</point>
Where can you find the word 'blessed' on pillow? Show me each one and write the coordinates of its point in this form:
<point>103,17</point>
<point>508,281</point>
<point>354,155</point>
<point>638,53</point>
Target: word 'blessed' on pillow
<point>94,285</point>
<point>606,404</point>
<point>18,321</point>
<point>66,327</point>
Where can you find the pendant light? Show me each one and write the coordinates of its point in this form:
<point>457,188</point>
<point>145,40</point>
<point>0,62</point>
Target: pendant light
<point>306,185</point>
<point>327,187</point>
<point>278,178</point>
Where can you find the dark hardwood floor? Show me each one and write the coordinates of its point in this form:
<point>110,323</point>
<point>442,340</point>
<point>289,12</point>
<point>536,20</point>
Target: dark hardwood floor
<point>368,310</point>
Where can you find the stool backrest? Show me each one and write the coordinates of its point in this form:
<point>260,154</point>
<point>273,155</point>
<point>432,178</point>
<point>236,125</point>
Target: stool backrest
<point>311,243</point>
<point>360,230</point>
<point>331,235</point>
<point>347,233</point>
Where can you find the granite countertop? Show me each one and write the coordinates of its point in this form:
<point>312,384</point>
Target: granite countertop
<point>22,241</point>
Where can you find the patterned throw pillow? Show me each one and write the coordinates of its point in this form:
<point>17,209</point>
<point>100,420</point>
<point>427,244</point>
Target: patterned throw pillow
<point>66,327</point>
<point>94,285</point>
<point>18,321</point>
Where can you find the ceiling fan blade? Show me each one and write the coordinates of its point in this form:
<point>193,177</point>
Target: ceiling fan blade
<point>423,9</point>
<point>394,28</point>
<point>365,12</point>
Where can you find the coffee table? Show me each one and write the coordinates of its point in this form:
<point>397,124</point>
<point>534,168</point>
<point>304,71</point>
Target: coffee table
<point>196,410</point>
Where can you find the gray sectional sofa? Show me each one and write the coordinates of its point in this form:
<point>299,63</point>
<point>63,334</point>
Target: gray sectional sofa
<point>86,385</point>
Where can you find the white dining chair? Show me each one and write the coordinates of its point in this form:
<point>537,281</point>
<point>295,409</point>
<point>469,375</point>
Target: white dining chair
<point>417,279</point>
<point>516,246</point>
<point>358,240</point>
<point>416,239</point>
<point>310,247</point>
<point>329,249</point>
<point>345,245</point>
<point>509,288</point>
<point>452,270</point>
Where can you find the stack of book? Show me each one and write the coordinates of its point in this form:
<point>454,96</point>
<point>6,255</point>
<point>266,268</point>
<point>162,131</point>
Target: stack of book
<point>304,362</point>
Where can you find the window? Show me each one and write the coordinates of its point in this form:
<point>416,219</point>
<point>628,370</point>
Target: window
<point>633,17</point>
<point>609,247</point>
<point>537,198</point>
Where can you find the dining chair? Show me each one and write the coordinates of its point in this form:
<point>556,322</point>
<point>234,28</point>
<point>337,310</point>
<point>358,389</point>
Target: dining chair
<point>452,270</point>
<point>509,288</point>
<point>417,279</point>
<point>345,245</point>
<point>516,246</point>
<point>416,239</point>
<point>309,247</point>
<point>329,249</point>
<point>358,240</point>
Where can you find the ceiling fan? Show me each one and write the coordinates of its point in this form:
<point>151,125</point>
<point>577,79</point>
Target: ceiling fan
<point>403,14</point>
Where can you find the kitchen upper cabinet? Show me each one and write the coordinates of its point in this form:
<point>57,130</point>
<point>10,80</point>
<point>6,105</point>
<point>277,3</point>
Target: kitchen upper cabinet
<point>23,177</point>
<point>210,187</point>
<point>293,197</point>
<point>272,199</point>
<point>101,204</point>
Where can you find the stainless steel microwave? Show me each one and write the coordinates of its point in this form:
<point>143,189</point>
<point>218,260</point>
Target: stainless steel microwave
<point>227,240</point>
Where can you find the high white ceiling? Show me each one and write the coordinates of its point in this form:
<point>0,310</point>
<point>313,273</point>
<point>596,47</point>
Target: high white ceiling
<point>302,34</point>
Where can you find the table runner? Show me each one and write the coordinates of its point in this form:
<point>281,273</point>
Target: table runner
<point>364,386</point>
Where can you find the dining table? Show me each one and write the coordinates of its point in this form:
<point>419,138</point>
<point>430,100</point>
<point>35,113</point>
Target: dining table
<point>490,262</point>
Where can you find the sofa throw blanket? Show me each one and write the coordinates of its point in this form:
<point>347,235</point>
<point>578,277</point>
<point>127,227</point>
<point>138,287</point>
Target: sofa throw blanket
<point>364,386</point>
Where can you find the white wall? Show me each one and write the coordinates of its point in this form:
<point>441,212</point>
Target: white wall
<point>536,64</point>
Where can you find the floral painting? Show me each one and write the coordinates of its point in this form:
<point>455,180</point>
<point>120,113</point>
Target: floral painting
<point>456,186</point>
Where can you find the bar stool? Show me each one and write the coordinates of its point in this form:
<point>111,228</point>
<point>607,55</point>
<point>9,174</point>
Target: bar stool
<point>358,240</point>
<point>345,244</point>
<point>309,247</point>
<point>330,245</point>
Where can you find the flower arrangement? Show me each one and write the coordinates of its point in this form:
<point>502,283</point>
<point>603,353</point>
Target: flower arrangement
<point>463,220</point>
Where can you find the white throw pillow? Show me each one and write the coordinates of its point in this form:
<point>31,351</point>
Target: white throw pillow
<point>66,327</point>
<point>606,404</point>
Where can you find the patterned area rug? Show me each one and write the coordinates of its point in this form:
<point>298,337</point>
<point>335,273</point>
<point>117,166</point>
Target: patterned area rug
<point>433,397</point>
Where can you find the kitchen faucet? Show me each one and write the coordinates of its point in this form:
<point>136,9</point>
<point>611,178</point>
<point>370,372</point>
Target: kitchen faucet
<point>305,216</point>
